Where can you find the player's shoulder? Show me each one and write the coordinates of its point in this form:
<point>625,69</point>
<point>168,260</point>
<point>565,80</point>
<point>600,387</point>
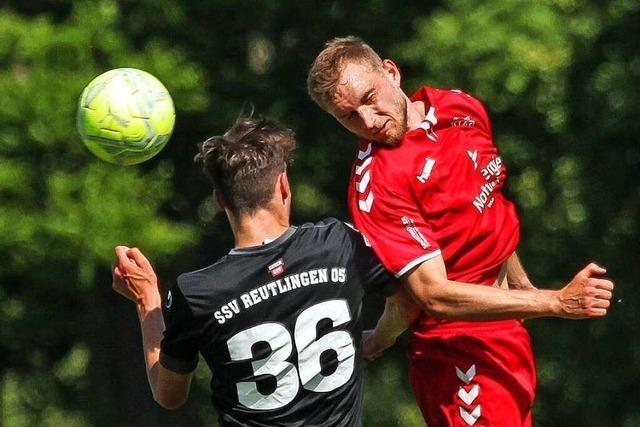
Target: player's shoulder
<point>331,230</point>
<point>454,107</point>
<point>323,226</point>
<point>440,95</point>
<point>190,279</point>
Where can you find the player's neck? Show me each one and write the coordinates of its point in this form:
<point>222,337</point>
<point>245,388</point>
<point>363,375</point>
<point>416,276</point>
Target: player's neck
<point>415,114</point>
<point>260,227</point>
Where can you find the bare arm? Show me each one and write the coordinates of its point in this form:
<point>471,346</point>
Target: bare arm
<point>584,297</point>
<point>400,311</point>
<point>134,278</point>
<point>517,277</point>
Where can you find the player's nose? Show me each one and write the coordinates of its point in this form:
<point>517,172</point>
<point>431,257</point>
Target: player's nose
<point>368,118</point>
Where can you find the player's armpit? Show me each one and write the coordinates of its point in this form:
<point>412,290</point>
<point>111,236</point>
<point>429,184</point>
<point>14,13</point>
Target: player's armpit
<point>423,280</point>
<point>517,277</point>
<point>172,388</point>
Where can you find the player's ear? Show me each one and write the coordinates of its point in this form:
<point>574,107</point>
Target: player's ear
<point>219,199</point>
<point>283,184</point>
<point>392,71</point>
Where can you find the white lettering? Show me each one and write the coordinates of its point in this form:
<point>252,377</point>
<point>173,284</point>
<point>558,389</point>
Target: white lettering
<point>313,277</point>
<point>277,287</point>
<point>254,296</point>
<point>273,287</point>
<point>304,278</point>
<point>234,306</point>
<point>492,169</point>
<point>226,311</point>
<point>246,300</point>
<point>480,201</point>
<point>322,275</point>
<point>295,281</point>
<point>264,292</point>
<point>219,317</point>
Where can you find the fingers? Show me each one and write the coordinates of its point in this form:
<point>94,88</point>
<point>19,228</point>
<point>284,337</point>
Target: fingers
<point>117,274</point>
<point>593,269</point>
<point>123,260</point>
<point>602,295</point>
<point>603,284</point>
<point>139,258</point>
<point>598,312</point>
<point>600,303</point>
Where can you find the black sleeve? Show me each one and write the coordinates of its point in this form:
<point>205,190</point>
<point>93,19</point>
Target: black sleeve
<point>374,276</point>
<point>179,347</point>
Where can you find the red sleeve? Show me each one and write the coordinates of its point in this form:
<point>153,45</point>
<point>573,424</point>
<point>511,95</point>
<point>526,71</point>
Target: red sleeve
<point>391,221</point>
<point>478,109</point>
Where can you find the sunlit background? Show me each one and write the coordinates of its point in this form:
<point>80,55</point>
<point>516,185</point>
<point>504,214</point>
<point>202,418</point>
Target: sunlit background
<point>561,79</point>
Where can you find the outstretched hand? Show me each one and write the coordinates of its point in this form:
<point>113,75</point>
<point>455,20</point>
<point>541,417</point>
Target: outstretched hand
<point>134,278</point>
<point>587,295</point>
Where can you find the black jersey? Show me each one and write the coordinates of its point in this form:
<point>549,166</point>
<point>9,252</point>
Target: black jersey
<point>279,325</point>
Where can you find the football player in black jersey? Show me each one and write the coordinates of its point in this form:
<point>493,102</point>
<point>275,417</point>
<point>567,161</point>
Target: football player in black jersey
<point>278,319</point>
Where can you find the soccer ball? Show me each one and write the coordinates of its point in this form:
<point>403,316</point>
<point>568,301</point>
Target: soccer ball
<point>125,116</point>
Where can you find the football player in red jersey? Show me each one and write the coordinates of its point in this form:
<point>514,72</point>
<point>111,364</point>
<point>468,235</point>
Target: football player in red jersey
<point>425,189</point>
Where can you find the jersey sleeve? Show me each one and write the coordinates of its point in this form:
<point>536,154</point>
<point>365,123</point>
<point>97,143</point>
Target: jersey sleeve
<point>473,107</point>
<point>179,346</point>
<point>396,229</point>
<point>375,276</point>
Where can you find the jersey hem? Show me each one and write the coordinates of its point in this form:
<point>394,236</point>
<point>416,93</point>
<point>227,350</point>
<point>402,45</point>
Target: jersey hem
<point>177,365</point>
<point>417,261</point>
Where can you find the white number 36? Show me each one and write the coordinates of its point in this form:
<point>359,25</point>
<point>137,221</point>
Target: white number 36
<point>309,348</point>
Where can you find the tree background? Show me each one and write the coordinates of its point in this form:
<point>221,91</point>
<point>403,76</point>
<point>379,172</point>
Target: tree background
<point>561,79</point>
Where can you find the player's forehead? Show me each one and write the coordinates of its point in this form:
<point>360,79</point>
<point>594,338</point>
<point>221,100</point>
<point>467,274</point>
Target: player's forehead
<point>354,81</point>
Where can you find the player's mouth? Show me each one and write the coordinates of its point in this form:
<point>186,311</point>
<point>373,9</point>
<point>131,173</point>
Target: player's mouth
<point>382,130</point>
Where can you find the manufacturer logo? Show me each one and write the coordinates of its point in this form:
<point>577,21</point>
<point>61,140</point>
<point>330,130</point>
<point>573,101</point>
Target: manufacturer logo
<point>473,155</point>
<point>363,179</point>
<point>426,170</point>
<point>277,268</point>
<point>169,300</point>
<point>468,396</point>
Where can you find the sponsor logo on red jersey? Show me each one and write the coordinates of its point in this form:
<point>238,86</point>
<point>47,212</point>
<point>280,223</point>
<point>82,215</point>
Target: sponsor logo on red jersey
<point>415,232</point>
<point>491,173</point>
<point>465,121</point>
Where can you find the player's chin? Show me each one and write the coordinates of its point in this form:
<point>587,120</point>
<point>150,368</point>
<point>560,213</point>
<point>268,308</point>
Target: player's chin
<point>388,140</point>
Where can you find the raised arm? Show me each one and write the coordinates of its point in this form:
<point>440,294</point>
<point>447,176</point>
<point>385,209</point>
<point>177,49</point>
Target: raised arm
<point>587,295</point>
<point>134,279</point>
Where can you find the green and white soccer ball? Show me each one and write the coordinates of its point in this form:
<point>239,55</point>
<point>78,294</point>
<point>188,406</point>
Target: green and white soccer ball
<point>125,116</point>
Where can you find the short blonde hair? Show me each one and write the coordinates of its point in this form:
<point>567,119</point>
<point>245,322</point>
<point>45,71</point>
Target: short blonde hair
<point>322,80</point>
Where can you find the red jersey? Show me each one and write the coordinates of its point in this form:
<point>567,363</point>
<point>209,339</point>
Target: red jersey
<point>437,193</point>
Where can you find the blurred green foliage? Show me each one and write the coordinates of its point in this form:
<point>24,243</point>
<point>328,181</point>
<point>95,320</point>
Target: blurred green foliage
<point>560,78</point>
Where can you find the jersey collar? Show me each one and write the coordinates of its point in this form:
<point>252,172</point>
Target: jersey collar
<point>267,246</point>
